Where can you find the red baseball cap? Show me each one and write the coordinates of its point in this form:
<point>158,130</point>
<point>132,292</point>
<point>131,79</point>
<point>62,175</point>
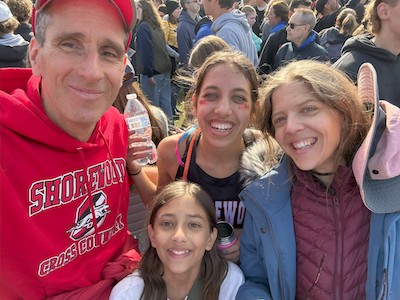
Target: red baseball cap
<point>125,9</point>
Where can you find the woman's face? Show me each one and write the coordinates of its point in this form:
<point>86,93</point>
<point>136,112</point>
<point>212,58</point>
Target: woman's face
<point>181,235</point>
<point>138,12</point>
<point>272,18</point>
<point>177,12</point>
<point>223,107</point>
<point>308,130</point>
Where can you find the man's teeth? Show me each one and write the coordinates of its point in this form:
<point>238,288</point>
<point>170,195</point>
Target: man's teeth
<point>221,126</point>
<point>179,252</point>
<point>304,144</point>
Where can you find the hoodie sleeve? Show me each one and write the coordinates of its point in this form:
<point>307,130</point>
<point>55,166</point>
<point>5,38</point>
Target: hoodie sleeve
<point>144,44</point>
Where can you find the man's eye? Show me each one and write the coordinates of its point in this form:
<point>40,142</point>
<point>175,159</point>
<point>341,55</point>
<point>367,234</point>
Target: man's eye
<point>110,54</point>
<point>69,45</point>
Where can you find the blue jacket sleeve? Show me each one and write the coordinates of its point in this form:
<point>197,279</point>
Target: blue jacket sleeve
<point>185,43</point>
<point>145,47</point>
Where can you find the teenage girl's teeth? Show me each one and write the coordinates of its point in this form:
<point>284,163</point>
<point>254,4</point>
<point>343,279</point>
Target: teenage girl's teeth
<point>304,144</point>
<point>221,126</point>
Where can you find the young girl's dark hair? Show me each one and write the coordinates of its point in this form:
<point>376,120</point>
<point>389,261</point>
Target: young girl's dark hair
<point>213,268</point>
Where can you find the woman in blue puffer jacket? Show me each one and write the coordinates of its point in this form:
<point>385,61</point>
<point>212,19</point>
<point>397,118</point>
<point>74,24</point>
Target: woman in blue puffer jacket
<point>325,222</point>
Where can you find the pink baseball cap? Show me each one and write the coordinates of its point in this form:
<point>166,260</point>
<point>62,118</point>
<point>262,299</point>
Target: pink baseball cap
<point>125,9</point>
<point>376,165</point>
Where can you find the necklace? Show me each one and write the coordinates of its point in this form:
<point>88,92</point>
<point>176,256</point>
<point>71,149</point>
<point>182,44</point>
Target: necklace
<point>322,174</point>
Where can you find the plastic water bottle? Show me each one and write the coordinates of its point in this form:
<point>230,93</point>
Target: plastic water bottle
<point>138,121</point>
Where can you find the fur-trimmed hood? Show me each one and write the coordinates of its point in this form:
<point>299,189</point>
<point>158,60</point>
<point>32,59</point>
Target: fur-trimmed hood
<point>258,160</point>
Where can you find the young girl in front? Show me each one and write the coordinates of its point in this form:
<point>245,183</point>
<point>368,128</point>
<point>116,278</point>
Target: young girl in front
<point>223,95</point>
<point>182,261</point>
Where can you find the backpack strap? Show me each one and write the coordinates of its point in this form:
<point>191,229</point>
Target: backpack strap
<point>181,139</point>
<point>189,154</point>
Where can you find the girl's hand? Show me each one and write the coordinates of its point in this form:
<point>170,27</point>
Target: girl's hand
<point>232,253</point>
<point>136,152</point>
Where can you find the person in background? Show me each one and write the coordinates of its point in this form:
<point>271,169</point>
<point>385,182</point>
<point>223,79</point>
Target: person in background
<point>186,28</point>
<point>232,27</point>
<point>278,16</point>
<point>223,97</point>
<point>251,16</point>
<point>203,28</point>
<point>328,11</point>
<point>64,184</point>
<point>13,47</point>
<point>203,50</point>
<point>260,7</point>
<point>157,3</point>
<point>380,46</point>
<point>158,119</point>
<point>330,199</point>
<point>169,25</point>
<point>358,6</point>
<point>182,261</point>
<point>333,38</point>
<point>152,61</point>
<point>301,40</point>
<point>247,2</point>
<point>22,10</point>
<point>162,10</point>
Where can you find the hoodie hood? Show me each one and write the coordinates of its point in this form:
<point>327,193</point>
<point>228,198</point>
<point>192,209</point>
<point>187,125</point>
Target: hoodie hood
<point>233,19</point>
<point>13,51</point>
<point>364,44</point>
<point>332,36</point>
<point>234,29</point>
<point>32,121</point>
<point>185,17</point>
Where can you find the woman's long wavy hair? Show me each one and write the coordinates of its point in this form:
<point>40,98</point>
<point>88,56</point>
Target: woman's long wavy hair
<point>333,89</point>
<point>213,268</point>
<point>149,13</point>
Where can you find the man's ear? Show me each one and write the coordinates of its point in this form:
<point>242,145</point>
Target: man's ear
<point>125,59</point>
<point>383,11</point>
<point>34,59</point>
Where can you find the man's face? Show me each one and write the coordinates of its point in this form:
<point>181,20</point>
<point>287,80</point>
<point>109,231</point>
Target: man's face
<point>81,63</point>
<point>193,6</point>
<point>299,32</point>
<point>210,6</point>
<point>333,5</point>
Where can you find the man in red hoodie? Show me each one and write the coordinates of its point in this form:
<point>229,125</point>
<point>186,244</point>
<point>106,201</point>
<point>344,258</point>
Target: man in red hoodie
<point>64,185</point>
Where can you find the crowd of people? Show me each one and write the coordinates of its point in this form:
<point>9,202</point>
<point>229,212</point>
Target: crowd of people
<point>288,132</point>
